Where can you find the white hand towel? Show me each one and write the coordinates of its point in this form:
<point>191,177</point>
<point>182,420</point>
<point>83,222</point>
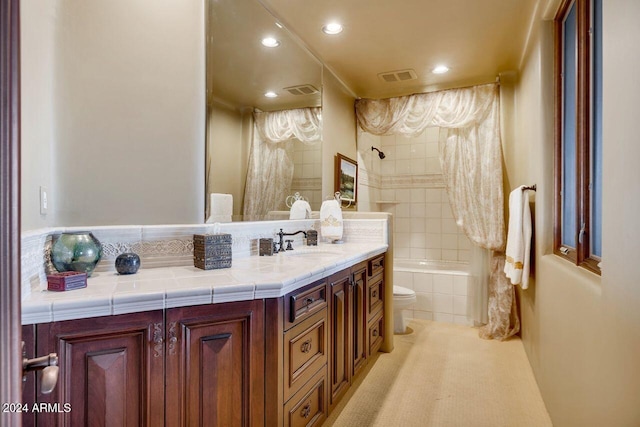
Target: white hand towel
<point>220,208</point>
<point>331,220</point>
<point>516,266</point>
<point>300,210</point>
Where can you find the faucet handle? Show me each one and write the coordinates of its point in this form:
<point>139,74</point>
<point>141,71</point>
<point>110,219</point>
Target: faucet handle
<point>289,247</point>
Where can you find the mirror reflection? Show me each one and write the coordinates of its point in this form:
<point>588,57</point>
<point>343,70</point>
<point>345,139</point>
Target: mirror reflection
<point>264,121</point>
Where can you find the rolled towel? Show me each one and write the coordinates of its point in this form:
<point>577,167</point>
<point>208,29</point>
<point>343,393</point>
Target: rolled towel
<point>331,220</point>
<point>516,266</point>
<point>220,208</point>
<point>300,210</point>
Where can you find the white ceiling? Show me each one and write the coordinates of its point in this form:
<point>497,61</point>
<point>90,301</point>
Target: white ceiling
<point>477,39</point>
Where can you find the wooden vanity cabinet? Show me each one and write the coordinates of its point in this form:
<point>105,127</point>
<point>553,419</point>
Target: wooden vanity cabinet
<point>199,365</point>
<point>215,365</point>
<point>359,307</point>
<point>297,351</point>
<point>356,300</point>
<point>277,362</point>
<point>375,304</point>
<point>340,317</point>
<point>111,371</point>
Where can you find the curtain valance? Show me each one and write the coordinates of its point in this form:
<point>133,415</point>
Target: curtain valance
<point>304,124</point>
<point>411,115</point>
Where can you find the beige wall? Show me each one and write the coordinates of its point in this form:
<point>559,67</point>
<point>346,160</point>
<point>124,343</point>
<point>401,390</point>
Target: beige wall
<point>119,138</point>
<point>582,332</point>
<point>37,38</point>
<point>338,127</point>
<point>229,141</point>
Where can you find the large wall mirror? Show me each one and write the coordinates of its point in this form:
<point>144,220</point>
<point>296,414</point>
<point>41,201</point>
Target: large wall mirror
<point>255,66</point>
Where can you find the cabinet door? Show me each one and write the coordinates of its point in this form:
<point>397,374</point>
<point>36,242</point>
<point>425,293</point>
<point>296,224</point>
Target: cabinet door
<point>340,324</point>
<point>359,340</point>
<point>111,371</point>
<point>215,365</point>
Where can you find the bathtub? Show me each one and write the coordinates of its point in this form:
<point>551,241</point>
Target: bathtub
<point>441,289</point>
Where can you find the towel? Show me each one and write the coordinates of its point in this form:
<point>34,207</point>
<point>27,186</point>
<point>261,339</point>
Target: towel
<point>220,208</point>
<point>331,220</point>
<point>516,266</point>
<point>300,210</point>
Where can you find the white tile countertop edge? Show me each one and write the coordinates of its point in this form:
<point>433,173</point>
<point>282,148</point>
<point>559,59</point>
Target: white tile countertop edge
<point>254,277</point>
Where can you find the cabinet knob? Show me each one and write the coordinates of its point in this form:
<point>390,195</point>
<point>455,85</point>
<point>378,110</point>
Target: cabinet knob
<point>375,332</point>
<point>306,410</point>
<point>374,294</point>
<point>306,346</point>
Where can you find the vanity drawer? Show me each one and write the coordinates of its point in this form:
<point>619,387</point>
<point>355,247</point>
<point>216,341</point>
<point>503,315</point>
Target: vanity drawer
<point>375,296</point>
<point>309,406</point>
<point>376,265</point>
<point>305,302</point>
<point>376,334</point>
<point>305,351</point>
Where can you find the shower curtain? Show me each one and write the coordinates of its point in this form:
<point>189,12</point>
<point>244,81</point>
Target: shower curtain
<point>270,171</point>
<point>471,159</point>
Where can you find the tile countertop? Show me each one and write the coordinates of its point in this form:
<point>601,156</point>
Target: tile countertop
<point>255,277</point>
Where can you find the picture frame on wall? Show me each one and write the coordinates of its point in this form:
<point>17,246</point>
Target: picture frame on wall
<point>346,178</point>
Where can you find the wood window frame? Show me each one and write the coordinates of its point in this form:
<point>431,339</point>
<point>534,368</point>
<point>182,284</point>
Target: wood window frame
<point>581,256</point>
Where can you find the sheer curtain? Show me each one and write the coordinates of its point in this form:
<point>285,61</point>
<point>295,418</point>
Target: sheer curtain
<point>270,171</point>
<point>471,159</point>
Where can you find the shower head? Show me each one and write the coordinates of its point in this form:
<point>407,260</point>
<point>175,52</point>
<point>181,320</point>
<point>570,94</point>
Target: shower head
<point>380,153</point>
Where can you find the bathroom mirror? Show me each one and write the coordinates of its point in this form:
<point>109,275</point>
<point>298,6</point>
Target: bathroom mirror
<point>240,70</point>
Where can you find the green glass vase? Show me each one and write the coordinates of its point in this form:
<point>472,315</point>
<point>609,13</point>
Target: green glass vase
<point>76,251</point>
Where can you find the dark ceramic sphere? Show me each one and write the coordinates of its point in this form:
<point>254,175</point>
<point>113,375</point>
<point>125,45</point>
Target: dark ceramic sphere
<point>127,263</point>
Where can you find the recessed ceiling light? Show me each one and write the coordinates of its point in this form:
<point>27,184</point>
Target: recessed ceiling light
<point>271,95</point>
<point>440,69</point>
<point>270,42</point>
<point>332,28</point>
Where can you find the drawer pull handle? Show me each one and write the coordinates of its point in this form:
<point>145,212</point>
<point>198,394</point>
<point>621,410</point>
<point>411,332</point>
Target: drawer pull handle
<point>306,410</point>
<point>306,346</point>
<point>309,301</point>
<point>375,332</point>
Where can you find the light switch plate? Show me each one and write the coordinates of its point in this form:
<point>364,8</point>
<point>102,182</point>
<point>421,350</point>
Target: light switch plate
<point>44,200</point>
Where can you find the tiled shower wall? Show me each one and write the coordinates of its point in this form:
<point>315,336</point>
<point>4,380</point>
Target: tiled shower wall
<point>408,183</point>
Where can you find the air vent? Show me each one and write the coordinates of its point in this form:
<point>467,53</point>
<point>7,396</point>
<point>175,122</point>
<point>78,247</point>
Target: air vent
<point>301,90</point>
<point>398,76</point>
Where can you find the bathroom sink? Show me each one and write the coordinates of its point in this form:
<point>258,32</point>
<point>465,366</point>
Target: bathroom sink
<point>311,253</point>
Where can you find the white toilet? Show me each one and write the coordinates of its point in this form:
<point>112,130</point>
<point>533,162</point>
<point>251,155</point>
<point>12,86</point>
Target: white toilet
<point>402,299</point>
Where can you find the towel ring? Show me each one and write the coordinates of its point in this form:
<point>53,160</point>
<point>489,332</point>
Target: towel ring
<point>290,200</point>
<point>337,198</point>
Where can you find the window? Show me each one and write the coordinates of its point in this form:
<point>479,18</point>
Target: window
<point>578,145</point>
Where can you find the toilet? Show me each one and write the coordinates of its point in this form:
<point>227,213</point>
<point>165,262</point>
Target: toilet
<point>402,299</point>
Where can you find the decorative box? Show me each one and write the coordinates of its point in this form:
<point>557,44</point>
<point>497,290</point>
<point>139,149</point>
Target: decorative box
<point>312,238</point>
<point>212,251</point>
<point>66,281</point>
<point>266,247</point>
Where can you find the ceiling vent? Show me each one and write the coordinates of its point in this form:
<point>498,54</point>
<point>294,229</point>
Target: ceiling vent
<point>398,76</point>
<point>301,90</point>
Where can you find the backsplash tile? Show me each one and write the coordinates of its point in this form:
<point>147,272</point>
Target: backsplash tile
<point>172,246</point>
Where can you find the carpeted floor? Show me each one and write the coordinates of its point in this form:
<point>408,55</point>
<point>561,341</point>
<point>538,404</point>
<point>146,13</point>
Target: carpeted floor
<point>443,375</point>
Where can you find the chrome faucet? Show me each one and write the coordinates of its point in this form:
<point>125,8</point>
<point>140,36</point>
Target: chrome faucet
<point>281,234</point>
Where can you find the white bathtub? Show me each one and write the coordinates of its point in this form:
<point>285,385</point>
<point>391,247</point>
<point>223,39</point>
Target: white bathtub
<point>441,289</point>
